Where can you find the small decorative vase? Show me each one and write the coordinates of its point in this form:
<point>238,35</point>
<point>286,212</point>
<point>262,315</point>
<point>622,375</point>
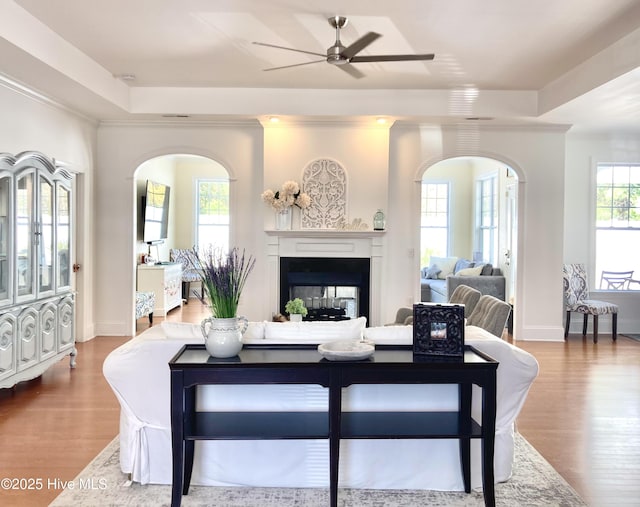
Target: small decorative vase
<point>224,336</point>
<point>295,317</point>
<point>283,219</point>
<point>379,221</point>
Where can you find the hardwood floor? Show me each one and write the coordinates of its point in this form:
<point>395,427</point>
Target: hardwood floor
<point>582,414</point>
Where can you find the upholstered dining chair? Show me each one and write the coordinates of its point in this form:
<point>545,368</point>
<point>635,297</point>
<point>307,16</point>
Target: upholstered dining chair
<point>490,314</point>
<point>576,294</point>
<point>467,296</point>
<point>187,259</point>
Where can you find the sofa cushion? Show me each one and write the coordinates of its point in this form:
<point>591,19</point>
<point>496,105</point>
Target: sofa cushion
<point>470,271</point>
<point>462,264</point>
<point>318,331</point>
<point>446,265</point>
<point>487,269</point>
<point>432,272</point>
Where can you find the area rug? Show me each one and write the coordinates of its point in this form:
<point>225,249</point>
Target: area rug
<point>534,484</point>
<point>635,337</point>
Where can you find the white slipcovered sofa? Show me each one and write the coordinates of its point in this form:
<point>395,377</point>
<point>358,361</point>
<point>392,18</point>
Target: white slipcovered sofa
<point>138,373</point>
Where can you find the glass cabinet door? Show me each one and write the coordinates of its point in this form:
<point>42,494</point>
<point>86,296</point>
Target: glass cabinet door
<point>24,235</point>
<point>5,279</point>
<point>63,232</point>
<point>45,237</point>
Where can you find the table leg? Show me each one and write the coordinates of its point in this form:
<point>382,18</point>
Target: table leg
<point>464,424</point>
<point>177,437</point>
<point>189,445</point>
<point>488,440</point>
<point>335,418</point>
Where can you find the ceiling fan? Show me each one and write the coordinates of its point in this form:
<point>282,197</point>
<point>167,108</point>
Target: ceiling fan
<point>343,57</point>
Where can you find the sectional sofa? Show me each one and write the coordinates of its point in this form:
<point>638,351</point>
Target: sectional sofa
<point>444,274</point>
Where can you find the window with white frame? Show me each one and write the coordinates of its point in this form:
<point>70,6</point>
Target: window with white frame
<point>617,225</point>
<point>434,221</point>
<point>487,218</point>
<point>212,213</point>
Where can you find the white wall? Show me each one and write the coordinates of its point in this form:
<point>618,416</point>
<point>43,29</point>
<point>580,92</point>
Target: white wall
<point>362,150</point>
<point>29,123</point>
<point>121,149</point>
<point>583,153</point>
<point>537,156</point>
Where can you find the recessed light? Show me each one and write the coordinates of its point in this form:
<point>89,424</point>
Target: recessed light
<point>381,120</point>
<point>274,119</point>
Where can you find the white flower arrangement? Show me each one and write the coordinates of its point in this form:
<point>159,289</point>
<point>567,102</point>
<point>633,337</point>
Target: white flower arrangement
<point>289,195</point>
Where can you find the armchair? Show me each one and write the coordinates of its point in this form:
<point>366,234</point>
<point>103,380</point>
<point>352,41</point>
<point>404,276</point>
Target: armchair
<point>490,314</point>
<point>467,296</point>
<point>404,317</point>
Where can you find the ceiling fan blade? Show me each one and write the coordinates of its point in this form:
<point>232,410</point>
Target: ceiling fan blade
<point>359,45</point>
<point>351,70</point>
<point>289,49</point>
<point>391,58</point>
<point>294,65</point>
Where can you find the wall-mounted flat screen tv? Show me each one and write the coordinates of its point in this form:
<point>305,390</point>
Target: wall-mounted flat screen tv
<point>155,209</point>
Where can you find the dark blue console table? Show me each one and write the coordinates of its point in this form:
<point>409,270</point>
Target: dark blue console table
<point>302,364</point>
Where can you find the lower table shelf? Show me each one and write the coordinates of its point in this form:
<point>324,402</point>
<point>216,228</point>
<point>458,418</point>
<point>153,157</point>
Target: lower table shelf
<point>315,425</point>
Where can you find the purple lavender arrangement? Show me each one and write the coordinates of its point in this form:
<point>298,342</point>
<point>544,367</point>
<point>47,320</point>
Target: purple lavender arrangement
<point>223,276</point>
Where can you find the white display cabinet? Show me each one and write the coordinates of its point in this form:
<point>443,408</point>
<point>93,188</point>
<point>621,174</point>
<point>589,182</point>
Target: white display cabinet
<point>36,298</point>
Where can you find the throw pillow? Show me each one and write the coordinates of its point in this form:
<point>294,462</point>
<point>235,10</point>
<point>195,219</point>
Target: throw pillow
<point>487,269</point>
<point>446,264</point>
<point>316,331</point>
<point>432,272</point>
<point>462,264</point>
<point>470,271</point>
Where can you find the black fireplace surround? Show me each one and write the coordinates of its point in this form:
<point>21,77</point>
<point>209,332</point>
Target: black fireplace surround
<point>324,273</point>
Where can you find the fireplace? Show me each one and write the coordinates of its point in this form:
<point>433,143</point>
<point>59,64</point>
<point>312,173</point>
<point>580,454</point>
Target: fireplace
<point>353,258</point>
<point>332,288</point>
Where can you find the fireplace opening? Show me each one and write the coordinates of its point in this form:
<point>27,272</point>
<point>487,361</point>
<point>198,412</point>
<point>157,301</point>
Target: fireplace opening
<point>331,288</point>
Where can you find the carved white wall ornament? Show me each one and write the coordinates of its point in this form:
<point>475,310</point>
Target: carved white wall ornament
<point>326,183</point>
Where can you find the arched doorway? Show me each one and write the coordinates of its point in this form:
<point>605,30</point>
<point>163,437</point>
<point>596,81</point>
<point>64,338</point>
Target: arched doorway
<point>469,210</point>
<point>198,209</point>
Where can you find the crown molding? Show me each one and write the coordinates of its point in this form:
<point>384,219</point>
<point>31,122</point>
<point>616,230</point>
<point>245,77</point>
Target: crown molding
<point>26,91</point>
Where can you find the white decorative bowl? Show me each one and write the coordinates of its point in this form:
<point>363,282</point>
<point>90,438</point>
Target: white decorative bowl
<point>346,350</point>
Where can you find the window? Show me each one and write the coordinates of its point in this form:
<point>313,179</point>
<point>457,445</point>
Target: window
<point>434,221</point>
<point>617,223</point>
<point>487,219</point>
<point>212,213</point>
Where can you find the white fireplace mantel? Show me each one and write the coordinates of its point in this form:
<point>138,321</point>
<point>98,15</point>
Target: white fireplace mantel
<point>330,243</point>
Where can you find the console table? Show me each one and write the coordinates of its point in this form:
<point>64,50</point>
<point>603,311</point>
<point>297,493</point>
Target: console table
<point>302,364</point>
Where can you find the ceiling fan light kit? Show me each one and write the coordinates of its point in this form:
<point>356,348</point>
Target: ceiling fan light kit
<point>342,56</point>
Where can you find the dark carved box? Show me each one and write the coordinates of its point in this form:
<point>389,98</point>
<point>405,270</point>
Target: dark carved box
<point>438,329</point>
